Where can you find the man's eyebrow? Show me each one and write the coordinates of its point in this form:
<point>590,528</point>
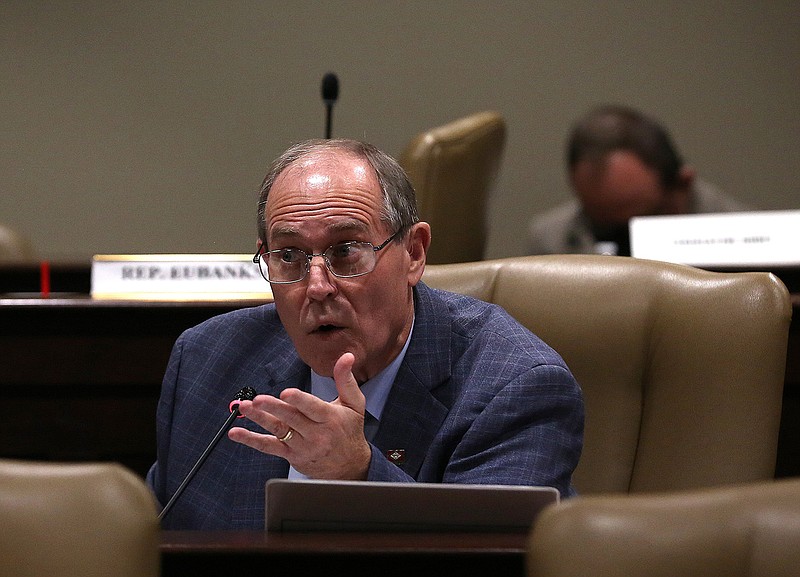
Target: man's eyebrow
<point>354,226</point>
<point>349,226</point>
<point>284,231</point>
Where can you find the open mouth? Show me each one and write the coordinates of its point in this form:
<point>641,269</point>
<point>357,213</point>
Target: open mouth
<point>327,329</point>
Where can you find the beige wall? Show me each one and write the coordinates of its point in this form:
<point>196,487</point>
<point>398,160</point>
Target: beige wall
<point>147,126</point>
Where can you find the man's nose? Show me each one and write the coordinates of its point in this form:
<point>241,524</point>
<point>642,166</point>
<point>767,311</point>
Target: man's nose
<point>320,279</point>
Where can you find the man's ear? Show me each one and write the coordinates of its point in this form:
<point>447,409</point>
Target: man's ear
<point>419,239</point>
<point>686,177</point>
<point>679,198</point>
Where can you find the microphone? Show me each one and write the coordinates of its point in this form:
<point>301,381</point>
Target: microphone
<point>330,92</point>
<point>244,394</point>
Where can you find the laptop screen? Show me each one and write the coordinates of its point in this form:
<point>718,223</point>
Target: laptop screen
<point>314,505</point>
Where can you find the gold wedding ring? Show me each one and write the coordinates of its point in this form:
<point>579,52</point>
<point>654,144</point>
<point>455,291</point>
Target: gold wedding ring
<point>287,437</point>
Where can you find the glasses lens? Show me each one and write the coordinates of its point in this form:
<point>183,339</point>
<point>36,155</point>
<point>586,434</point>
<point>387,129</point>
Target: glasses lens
<point>286,265</point>
<point>351,258</point>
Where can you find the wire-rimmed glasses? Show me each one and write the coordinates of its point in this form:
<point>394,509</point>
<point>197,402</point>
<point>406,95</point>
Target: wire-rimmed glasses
<point>344,260</point>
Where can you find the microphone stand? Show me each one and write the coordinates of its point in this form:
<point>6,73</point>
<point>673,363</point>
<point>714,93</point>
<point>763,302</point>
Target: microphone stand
<point>200,461</point>
<point>328,116</point>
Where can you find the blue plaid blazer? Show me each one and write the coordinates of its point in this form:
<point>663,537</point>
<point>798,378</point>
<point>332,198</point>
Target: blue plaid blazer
<point>478,399</point>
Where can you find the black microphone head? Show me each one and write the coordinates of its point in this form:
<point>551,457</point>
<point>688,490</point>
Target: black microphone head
<point>330,88</point>
<point>244,394</point>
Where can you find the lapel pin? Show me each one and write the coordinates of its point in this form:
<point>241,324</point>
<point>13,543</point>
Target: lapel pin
<point>396,456</point>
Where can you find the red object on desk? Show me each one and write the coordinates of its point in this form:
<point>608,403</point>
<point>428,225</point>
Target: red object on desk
<point>44,278</point>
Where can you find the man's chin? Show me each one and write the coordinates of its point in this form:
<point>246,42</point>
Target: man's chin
<point>322,359</point>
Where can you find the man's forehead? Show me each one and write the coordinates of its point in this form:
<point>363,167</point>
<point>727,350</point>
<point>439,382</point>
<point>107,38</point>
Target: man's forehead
<point>327,161</point>
<point>320,173</point>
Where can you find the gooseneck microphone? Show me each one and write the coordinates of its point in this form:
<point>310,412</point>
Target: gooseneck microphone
<point>244,394</point>
<point>330,92</point>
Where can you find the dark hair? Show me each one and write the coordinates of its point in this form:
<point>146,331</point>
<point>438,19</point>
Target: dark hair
<point>399,200</point>
<point>610,128</point>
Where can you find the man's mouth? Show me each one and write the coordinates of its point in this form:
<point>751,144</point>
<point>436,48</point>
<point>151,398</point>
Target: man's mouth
<point>327,328</point>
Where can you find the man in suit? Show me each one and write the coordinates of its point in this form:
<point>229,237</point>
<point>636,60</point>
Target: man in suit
<point>621,164</point>
<point>364,372</point>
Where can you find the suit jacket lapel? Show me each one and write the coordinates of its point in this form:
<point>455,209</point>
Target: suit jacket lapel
<point>418,402</point>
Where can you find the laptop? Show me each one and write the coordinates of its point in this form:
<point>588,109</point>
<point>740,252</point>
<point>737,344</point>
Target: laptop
<point>316,505</point>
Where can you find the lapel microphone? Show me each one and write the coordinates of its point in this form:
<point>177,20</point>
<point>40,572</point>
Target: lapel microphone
<point>244,394</point>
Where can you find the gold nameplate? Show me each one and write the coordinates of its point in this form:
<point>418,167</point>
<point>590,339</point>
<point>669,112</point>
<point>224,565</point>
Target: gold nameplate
<point>194,277</point>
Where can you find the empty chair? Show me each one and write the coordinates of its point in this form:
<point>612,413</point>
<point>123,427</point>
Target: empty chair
<point>76,520</point>
<point>750,530</point>
<point>453,168</point>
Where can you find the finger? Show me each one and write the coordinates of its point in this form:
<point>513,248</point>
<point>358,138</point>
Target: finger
<point>296,408</point>
<point>264,443</point>
<point>256,411</point>
<point>276,417</point>
<point>350,394</point>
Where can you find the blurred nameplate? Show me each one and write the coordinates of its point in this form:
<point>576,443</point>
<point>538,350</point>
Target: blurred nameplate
<point>734,239</point>
<point>178,277</point>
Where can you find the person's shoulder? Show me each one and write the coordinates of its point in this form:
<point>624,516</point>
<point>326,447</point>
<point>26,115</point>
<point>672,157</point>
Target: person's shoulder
<point>709,198</point>
<point>236,323</point>
<point>461,308</point>
<point>482,338</point>
<point>559,215</point>
<point>472,318</point>
<point>548,231</point>
<point>460,314</point>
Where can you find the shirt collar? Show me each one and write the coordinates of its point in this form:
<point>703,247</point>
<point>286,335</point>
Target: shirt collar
<point>376,390</point>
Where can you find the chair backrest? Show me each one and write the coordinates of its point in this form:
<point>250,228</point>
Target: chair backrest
<point>751,530</point>
<point>76,520</point>
<point>14,247</point>
<point>453,169</point>
<point>682,369</point>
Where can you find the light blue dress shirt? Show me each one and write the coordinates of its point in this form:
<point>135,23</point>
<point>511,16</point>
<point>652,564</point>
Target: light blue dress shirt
<point>376,391</point>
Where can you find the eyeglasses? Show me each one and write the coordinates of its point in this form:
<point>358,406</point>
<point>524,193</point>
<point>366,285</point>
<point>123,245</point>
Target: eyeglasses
<point>344,260</point>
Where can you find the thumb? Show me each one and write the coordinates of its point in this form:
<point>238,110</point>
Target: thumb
<point>350,394</point>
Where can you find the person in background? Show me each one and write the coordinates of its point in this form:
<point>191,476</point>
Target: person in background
<point>621,164</point>
<point>364,372</point>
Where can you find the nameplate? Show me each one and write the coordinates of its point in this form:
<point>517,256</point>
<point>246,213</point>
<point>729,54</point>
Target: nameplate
<point>735,239</point>
<point>178,277</point>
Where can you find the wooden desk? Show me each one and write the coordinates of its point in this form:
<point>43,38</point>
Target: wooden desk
<point>201,554</point>
<point>80,378</point>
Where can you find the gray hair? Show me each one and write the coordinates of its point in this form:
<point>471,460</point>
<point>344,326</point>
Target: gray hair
<point>399,200</point>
